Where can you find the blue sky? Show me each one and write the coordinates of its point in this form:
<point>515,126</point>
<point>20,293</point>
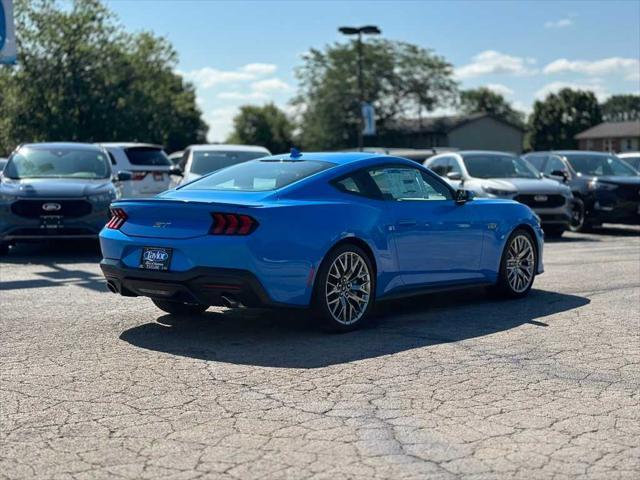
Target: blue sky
<point>239,52</point>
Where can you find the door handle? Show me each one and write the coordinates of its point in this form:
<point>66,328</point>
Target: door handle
<point>407,222</point>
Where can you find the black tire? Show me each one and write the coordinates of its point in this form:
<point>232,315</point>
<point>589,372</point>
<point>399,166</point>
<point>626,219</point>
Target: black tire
<point>554,232</point>
<point>322,298</point>
<point>4,248</point>
<point>579,222</point>
<point>504,286</point>
<point>179,308</point>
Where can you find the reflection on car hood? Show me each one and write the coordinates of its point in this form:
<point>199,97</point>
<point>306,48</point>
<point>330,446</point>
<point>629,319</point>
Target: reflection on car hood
<point>495,183</point>
<point>535,185</point>
<point>54,187</point>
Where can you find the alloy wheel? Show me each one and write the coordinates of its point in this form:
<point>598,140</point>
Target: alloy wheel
<point>348,288</point>
<point>520,263</point>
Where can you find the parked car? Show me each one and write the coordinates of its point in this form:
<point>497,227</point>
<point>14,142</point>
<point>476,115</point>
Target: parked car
<point>175,157</point>
<point>55,190</point>
<point>149,165</point>
<point>632,158</point>
<point>504,175</point>
<point>331,231</point>
<point>199,160</point>
<point>3,162</point>
<point>605,188</point>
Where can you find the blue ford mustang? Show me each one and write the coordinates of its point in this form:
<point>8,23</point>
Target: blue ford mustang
<point>330,231</point>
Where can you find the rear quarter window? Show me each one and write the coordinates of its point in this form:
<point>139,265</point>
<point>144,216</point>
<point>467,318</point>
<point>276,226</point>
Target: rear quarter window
<point>147,156</point>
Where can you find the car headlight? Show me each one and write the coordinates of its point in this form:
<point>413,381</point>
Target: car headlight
<point>5,197</point>
<point>596,185</point>
<point>497,192</point>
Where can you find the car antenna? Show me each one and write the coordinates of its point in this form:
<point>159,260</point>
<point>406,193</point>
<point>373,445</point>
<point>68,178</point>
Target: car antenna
<point>295,153</point>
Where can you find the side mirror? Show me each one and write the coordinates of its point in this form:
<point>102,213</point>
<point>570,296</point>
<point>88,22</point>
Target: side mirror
<point>463,196</point>
<point>454,176</point>
<point>176,170</point>
<point>123,176</point>
<point>563,174</point>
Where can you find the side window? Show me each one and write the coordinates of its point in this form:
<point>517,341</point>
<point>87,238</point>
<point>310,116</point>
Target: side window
<point>554,164</point>
<point>183,161</point>
<point>536,160</point>
<point>439,166</point>
<point>348,185</point>
<point>404,183</point>
<point>454,166</point>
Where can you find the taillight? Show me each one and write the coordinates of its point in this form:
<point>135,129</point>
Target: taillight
<point>118,217</point>
<point>138,176</point>
<point>232,224</point>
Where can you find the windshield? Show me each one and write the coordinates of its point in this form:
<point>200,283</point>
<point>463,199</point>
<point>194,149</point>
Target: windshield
<point>498,166</point>
<point>210,161</point>
<point>58,162</point>
<point>600,165</point>
<point>259,175</point>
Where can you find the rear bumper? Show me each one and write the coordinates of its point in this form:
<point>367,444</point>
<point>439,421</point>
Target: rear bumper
<point>204,285</point>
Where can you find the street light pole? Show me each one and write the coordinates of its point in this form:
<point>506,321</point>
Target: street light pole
<point>370,30</point>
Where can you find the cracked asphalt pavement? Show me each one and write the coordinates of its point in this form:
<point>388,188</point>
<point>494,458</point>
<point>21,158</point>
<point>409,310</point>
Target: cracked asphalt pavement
<point>442,386</point>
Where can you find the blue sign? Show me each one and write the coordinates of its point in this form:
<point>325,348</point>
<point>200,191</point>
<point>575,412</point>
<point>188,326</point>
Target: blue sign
<point>7,33</point>
<point>369,118</point>
<point>3,27</point>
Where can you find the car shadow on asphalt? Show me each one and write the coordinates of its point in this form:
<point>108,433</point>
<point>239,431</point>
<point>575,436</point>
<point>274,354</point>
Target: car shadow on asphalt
<point>58,260</point>
<point>288,339</point>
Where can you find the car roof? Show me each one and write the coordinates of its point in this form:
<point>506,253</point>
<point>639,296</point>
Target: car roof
<point>628,154</point>
<point>130,145</point>
<point>339,158</point>
<point>88,146</point>
<point>581,152</point>
<point>227,147</point>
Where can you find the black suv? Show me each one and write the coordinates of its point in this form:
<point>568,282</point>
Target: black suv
<point>605,188</point>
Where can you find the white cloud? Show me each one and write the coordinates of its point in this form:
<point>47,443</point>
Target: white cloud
<point>242,96</point>
<point>629,68</point>
<point>562,23</point>
<point>208,77</point>
<point>491,62</point>
<point>270,85</point>
<point>594,86</point>
<point>220,121</point>
<point>500,89</point>
<point>259,68</point>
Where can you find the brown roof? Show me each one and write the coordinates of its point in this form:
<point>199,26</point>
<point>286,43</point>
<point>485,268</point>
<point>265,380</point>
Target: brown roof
<point>611,130</point>
<point>441,124</point>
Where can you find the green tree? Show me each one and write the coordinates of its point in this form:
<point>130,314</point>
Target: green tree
<point>80,77</point>
<point>621,108</point>
<point>399,79</point>
<point>267,126</point>
<point>560,116</point>
<point>484,100</point>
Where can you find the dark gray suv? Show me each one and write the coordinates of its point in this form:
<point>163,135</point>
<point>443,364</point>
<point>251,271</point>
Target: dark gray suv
<point>54,191</point>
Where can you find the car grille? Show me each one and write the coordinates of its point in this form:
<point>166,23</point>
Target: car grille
<point>68,208</point>
<point>551,201</point>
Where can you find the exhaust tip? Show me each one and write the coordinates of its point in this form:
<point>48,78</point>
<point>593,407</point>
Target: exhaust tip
<point>112,287</point>
<point>229,301</point>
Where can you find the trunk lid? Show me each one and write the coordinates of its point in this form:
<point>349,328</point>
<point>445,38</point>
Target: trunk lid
<point>181,215</point>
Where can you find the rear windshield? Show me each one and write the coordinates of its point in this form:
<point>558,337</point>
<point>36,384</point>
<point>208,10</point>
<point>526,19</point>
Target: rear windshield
<point>259,175</point>
<point>599,165</point>
<point>148,156</point>
<point>207,162</point>
<point>57,162</point>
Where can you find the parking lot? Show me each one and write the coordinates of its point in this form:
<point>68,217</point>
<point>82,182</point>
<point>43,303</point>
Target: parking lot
<point>461,385</point>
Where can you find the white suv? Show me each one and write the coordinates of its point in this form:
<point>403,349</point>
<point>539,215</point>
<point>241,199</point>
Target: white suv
<point>149,165</point>
<point>199,160</point>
